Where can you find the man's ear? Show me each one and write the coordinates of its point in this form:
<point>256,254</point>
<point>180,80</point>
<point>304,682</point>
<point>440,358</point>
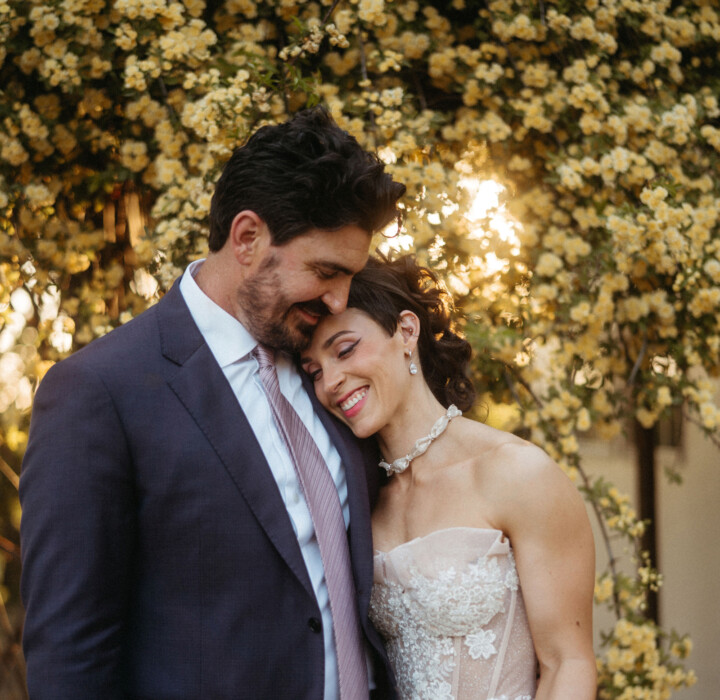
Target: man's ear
<point>249,237</point>
<point>409,328</point>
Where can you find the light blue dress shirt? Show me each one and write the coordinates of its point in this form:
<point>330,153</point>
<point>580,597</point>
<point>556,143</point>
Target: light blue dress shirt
<point>231,345</point>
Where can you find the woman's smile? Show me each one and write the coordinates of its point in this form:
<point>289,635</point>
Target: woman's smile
<point>351,404</point>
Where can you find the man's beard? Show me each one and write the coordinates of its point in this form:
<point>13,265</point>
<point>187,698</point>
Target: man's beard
<point>269,315</point>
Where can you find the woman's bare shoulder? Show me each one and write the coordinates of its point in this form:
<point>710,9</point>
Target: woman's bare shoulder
<point>499,448</point>
<point>514,468</point>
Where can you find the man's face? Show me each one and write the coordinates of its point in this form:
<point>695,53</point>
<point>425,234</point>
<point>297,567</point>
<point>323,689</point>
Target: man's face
<point>299,283</point>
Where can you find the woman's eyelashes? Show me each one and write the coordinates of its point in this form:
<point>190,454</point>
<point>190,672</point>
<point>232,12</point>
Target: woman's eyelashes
<point>346,350</point>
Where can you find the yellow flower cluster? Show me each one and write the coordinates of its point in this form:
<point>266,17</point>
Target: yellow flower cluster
<point>372,11</point>
<point>191,42</point>
<point>634,668</point>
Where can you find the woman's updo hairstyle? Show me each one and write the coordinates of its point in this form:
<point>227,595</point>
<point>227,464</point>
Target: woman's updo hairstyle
<point>384,288</point>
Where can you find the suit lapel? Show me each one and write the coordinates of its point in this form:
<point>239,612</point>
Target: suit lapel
<point>205,393</point>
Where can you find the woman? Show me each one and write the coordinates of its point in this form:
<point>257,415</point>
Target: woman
<point>484,565</point>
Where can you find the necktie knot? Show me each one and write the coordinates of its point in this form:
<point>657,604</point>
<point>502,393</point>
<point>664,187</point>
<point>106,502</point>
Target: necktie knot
<point>265,356</point>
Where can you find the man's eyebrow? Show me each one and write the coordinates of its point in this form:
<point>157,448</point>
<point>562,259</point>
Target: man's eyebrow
<point>326,344</point>
<point>338,267</point>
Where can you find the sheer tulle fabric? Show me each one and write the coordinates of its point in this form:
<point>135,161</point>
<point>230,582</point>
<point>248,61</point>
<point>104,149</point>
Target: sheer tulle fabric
<point>450,608</point>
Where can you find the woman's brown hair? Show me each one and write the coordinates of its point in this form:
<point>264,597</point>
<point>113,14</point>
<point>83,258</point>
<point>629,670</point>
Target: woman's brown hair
<point>385,288</point>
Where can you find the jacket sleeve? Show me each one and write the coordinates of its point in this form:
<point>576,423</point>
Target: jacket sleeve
<point>77,533</point>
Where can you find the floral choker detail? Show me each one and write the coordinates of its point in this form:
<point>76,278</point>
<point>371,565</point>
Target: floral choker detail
<point>400,465</point>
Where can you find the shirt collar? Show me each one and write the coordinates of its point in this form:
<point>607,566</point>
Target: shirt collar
<point>228,340</point>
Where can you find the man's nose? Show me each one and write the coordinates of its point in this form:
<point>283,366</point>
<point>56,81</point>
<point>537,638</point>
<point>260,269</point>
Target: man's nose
<point>336,297</point>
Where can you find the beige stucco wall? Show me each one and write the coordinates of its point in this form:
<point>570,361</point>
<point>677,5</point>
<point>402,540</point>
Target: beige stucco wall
<point>688,526</point>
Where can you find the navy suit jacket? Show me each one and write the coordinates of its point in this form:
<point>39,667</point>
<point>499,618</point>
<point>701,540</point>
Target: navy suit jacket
<point>159,561</point>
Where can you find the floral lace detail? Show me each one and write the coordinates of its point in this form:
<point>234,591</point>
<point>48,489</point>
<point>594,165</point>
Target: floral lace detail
<point>481,644</point>
<point>421,621</point>
<point>421,661</point>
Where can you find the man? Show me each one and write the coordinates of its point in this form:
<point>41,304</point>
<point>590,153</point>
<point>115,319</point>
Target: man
<point>169,551</point>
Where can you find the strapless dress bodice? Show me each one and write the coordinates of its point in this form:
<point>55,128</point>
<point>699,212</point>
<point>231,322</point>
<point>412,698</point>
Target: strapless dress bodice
<point>450,608</point>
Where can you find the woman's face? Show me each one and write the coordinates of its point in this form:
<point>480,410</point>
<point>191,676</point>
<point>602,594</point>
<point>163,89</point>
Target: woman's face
<point>359,372</point>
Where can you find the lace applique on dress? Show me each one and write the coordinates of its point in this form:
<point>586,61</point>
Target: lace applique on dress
<point>480,645</point>
<point>448,612</point>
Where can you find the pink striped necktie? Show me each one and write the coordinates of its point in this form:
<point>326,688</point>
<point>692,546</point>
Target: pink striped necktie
<point>326,513</point>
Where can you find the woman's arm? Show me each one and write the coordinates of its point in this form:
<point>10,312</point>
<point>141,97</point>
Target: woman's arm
<point>545,518</point>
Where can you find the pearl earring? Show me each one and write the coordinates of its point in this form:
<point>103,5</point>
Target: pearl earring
<point>412,367</point>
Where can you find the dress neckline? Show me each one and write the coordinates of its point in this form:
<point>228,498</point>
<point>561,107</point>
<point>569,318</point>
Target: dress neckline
<point>445,530</point>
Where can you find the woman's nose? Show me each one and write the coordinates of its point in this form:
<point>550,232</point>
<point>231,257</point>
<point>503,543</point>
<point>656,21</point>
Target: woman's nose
<point>332,379</point>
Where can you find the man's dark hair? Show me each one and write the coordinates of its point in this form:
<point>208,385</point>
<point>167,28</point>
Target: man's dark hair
<point>306,173</point>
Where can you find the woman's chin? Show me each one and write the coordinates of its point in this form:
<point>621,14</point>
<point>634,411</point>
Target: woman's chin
<point>361,429</point>
<point>361,432</point>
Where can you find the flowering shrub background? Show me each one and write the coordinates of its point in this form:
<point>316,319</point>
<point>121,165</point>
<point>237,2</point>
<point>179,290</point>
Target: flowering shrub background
<point>590,291</point>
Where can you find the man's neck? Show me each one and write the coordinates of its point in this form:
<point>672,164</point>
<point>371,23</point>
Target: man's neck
<point>212,278</point>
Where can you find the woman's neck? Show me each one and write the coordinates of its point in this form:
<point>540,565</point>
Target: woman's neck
<point>413,421</point>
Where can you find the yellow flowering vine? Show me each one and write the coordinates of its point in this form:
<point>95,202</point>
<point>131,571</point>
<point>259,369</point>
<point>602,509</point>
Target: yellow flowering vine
<point>590,290</point>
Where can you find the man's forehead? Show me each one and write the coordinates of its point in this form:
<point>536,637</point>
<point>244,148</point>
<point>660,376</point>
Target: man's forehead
<point>345,250</point>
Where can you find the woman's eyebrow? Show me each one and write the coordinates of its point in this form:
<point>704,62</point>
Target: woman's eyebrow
<point>326,344</point>
<point>332,339</point>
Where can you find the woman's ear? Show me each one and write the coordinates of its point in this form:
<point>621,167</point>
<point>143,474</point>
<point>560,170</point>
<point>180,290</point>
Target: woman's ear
<point>249,236</point>
<point>409,328</point>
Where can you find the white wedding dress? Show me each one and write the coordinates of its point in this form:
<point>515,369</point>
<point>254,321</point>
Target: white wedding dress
<point>451,611</point>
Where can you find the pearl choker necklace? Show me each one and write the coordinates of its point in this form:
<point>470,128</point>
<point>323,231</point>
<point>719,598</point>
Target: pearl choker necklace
<point>400,465</point>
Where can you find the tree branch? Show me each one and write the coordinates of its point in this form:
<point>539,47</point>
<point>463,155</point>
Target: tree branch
<point>510,370</point>
<point>10,547</point>
<point>638,362</point>
<point>715,439</point>
<point>419,89</point>
<point>612,559</point>
<point>10,473</point>
<point>330,11</point>
<point>5,620</point>
<point>324,20</point>
<point>365,77</point>
<point>174,116</point>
